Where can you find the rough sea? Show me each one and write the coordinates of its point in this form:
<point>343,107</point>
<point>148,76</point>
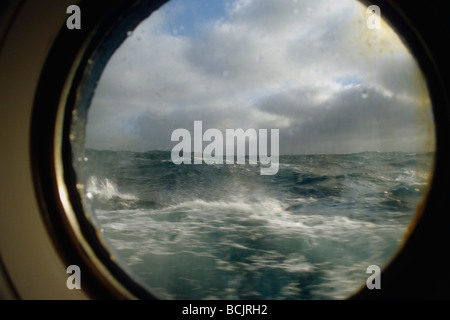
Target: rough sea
<point>228,232</point>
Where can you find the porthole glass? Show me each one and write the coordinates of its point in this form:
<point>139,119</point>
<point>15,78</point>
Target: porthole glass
<point>256,149</point>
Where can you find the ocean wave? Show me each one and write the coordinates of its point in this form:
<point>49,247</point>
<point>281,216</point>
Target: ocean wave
<point>104,193</point>
<point>248,244</point>
<point>106,189</point>
<point>225,231</point>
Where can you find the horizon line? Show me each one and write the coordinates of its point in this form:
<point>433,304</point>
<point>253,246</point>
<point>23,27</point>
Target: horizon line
<point>281,154</point>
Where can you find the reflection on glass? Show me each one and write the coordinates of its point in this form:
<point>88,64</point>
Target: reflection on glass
<point>355,144</point>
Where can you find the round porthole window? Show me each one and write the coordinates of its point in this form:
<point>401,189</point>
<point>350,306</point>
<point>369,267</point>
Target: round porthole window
<point>246,149</point>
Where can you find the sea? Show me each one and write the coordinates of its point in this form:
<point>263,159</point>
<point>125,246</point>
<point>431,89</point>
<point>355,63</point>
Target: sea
<point>225,231</point>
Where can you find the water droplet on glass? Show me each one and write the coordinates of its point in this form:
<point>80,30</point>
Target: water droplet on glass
<point>364,94</point>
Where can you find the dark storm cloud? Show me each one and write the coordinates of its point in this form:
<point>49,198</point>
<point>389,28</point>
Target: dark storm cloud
<point>354,118</point>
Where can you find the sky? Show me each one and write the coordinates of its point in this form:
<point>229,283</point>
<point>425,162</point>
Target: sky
<point>310,68</point>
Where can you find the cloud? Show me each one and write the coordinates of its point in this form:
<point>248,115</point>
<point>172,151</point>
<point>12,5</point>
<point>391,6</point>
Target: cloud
<point>359,118</point>
<point>309,68</point>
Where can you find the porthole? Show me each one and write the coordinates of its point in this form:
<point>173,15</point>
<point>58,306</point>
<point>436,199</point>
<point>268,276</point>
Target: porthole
<point>268,150</point>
